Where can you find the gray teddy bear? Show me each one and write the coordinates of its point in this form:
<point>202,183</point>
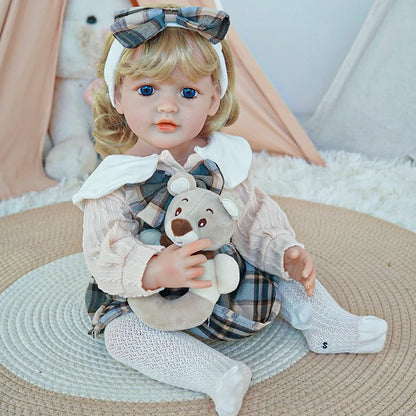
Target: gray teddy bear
<point>193,213</point>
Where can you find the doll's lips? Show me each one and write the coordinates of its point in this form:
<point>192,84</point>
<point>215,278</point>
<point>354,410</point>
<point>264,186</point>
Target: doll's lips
<point>167,126</point>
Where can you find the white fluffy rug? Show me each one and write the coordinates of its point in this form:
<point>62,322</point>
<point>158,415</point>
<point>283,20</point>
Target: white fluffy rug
<point>383,188</point>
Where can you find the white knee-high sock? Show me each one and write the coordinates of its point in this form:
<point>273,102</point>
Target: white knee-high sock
<point>327,327</point>
<point>180,360</point>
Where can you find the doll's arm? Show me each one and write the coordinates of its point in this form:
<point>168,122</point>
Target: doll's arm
<point>262,234</point>
<point>113,253</point>
<point>177,267</point>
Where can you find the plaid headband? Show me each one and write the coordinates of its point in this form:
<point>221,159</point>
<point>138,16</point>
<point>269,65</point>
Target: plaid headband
<point>135,26</point>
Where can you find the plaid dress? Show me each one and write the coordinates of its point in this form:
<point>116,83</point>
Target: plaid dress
<point>242,313</point>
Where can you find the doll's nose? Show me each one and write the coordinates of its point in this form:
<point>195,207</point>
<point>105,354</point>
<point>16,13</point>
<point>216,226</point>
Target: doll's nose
<point>167,105</point>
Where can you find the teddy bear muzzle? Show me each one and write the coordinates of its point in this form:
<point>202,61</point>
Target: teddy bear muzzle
<point>181,232</point>
<point>180,227</point>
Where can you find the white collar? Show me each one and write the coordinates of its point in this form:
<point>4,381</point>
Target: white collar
<point>232,154</point>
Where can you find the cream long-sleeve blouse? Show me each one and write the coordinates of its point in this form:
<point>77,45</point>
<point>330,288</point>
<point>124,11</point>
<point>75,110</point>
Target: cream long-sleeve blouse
<point>113,252</point>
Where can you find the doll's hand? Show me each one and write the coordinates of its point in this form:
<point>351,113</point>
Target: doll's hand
<point>299,264</point>
<point>177,267</point>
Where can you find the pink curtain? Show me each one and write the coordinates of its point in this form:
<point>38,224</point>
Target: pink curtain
<point>265,120</point>
<point>29,45</point>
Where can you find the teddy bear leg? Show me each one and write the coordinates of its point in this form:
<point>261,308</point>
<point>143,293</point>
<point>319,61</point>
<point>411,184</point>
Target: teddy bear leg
<point>188,311</point>
<point>178,359</point>
<point>331,329</point>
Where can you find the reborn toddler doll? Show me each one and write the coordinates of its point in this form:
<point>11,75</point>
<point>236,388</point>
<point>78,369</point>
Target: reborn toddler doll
<point>169,91</point>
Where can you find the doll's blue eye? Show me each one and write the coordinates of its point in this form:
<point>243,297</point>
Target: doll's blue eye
<point>146,90</point>
<point>189,93</point>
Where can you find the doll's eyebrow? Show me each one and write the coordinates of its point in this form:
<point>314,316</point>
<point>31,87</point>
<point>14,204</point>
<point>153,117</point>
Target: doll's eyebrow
<point>185,199</point>
<point>209,210</point>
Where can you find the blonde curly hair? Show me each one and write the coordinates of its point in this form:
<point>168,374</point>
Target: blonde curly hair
<point>171,48</point>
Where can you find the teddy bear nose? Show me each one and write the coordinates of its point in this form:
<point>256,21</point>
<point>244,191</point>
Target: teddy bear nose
<point>180,227</point>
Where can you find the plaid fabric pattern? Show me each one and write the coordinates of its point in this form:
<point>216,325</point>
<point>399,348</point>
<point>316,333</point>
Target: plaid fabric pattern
<point>102,308</point>
<point>136,25</point>
<point>240,314</point>
<point>247,310</point>
<point>154,198</point>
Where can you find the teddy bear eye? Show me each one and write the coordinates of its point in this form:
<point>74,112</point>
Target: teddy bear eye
<point>178,211</point>
<point>91,20</point>
<point>202,223</point>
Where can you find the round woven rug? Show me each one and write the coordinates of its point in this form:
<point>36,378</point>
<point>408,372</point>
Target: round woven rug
<point>367,264</point>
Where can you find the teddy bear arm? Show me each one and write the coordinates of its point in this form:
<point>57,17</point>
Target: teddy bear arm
<point>228,273</point>
<point>70,116</point>
<point>150,236</point>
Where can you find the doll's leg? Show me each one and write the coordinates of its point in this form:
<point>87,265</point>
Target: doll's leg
<point>327,327</point>
<point>179,359</point>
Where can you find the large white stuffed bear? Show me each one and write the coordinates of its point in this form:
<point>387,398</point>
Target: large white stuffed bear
<point>85,24</point>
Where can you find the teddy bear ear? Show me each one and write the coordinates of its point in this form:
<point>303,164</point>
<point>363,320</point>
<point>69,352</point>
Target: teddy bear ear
<point>234,208</point>
<point>181,182</point>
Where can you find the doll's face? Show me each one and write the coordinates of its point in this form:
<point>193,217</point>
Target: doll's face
<point>167,114</point>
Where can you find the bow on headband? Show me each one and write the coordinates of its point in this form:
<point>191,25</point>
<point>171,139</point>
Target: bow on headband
<point>134,26</point>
